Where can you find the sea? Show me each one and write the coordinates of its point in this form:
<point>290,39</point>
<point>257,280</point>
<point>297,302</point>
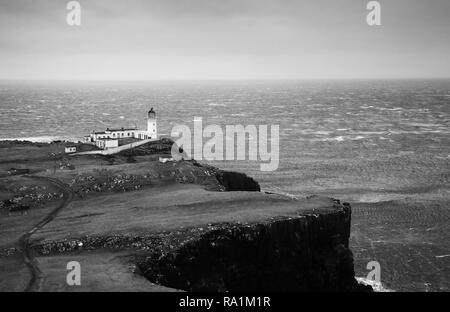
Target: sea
<point>381,145</point>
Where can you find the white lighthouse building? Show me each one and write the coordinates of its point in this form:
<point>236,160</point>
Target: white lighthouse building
<point>111,136</point>
<point>151,124</point>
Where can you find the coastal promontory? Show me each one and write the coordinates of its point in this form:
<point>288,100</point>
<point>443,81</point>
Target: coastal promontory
<point>139,221</point>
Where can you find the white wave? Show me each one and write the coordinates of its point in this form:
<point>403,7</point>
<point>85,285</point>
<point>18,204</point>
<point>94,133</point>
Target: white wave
<point>387,108</point>
<point>376,197</point>
<point>41,139</point>
<point>417,132</point>
<point>338,139</point>
<point>239,115</point>
<point>377,286</point>
<point>423,125</point>
<point>370,132</point>
<point>312,131</point>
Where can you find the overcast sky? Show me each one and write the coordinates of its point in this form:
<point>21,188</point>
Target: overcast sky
<point>224,39</point>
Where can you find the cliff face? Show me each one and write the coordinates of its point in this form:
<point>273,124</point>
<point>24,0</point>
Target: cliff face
<point>303,253</point>
<point>236,181</point>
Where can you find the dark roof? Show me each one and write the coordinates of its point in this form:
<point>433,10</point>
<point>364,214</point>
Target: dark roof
<point>120,129</point>
<point>108,139</point>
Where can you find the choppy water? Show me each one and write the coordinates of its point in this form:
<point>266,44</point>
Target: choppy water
<point>381,145</point>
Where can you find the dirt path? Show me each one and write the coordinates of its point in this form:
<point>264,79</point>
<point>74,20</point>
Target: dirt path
<point>23,243</point>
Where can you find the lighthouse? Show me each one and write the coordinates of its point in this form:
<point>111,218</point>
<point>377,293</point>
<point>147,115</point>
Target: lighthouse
<point>110,137</point>
<point>151,124</point>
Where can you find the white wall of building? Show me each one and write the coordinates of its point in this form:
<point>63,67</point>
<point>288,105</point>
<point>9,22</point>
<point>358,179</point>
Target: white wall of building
<point>151,128</point>
<point>107,143</point>
<point>70,149</point>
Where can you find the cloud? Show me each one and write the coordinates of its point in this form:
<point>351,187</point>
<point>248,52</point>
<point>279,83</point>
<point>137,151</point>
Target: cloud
<point>182,39</point>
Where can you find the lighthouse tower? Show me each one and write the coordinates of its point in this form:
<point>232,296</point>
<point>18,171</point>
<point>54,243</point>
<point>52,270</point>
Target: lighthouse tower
<point>151,124</point>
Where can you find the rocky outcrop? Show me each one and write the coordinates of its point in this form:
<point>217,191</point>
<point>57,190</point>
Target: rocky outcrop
<point>304,253</point>
<point>231,181</point>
